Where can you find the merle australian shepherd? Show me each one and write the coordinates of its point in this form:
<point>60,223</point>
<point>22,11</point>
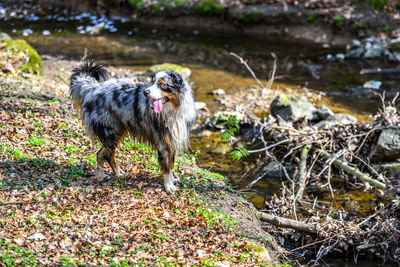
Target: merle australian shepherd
<point>159,113</point>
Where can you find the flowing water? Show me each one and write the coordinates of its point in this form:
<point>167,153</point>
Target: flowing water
<point>124,43</point>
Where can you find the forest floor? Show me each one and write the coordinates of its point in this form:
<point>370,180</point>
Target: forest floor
<point>54,212</point>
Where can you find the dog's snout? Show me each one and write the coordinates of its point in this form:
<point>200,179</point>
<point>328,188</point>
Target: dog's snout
<point>146,92</point>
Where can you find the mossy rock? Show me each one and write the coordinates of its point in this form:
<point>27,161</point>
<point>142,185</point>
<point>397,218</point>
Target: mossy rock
<point>185,72</point>
<point>34,65</point>
<point>290,107</point>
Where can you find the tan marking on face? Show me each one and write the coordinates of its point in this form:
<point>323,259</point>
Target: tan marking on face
<point>172,97</point>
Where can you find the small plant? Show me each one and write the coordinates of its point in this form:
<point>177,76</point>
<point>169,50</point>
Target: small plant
<point>312,17</point>
<point>233,126</point>
<point>137,4</point>
<point>338,21</point>
<point>35,141</point>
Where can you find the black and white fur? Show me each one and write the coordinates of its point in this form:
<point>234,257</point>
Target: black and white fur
<point>111,108</point>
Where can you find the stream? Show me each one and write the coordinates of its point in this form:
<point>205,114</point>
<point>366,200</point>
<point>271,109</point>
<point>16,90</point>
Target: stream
<point>125,43</point>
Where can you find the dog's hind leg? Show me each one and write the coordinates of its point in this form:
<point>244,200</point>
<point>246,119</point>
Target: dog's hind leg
<point>111,160</point>
<point>101,155</point>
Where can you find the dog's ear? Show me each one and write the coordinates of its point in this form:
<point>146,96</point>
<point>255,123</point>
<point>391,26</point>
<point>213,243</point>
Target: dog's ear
<point>178,80</point>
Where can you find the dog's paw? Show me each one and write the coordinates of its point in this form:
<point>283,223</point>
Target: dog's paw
<point>121,174</point>
<point>170,188</point>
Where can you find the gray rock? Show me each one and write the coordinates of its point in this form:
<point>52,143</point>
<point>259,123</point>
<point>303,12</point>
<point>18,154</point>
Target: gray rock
<point>355,43</point>
<point>200,105</point>
<point>340,56</point>
<point>219,119</point>
<point>337,119</point>
<point>4,36</point>
<point>324,112</point>
<point>388,144</point>
<point>355,53</point>
<point>218,92</point>
<point>396,56</point>
<point>375,85</point>
<point>374,52</point>
<point>293,108</point>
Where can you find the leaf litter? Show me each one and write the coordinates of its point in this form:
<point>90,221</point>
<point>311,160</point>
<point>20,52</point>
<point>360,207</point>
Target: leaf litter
<point>52,210</point>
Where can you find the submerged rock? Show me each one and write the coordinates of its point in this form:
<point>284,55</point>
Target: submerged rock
<point>185,72</point>
<point>388,144</point>
<point>219,119</point>
<point>355,53</point>
<point>374,52</point>
<point>34,64</point>
<point>293,108</point>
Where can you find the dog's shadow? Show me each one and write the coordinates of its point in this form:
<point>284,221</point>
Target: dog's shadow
<point>40,173</point>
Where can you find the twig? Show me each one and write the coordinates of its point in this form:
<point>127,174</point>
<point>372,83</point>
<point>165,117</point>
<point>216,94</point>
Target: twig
<point>272,78</point>
<point>289,129</point>
<point>11,203</point>
<point>271,146</point>
<point>244,62</point>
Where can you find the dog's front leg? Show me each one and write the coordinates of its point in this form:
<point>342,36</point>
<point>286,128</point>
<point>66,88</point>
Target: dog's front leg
<point>168,175</point>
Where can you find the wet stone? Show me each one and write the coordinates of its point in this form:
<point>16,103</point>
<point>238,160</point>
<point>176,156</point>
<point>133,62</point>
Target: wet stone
<point>388,144</point>
<point>324,112</point>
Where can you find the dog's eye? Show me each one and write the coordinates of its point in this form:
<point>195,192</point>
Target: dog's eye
<point>163,86</point>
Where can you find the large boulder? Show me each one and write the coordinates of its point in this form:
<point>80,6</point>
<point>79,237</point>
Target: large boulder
<point>388,144</point>
<point>293,108</point>
<point>185,72</point>
<point>16,47</point>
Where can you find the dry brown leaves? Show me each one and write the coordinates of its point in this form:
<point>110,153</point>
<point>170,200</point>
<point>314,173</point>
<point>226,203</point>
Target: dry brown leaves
<point>53,209</point>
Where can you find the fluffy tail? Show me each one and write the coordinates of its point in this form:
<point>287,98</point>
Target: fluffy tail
<point>86,78</point>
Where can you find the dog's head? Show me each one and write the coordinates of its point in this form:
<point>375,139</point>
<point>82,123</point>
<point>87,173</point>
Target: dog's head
<point>166,86</point>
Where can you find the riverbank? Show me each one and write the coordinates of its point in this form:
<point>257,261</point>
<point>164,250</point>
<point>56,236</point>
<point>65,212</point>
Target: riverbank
<point>328,23</point>
<point>54,212</point>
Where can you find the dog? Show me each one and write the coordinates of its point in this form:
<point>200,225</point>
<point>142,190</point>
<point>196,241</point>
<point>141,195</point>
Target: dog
<point>159,113</point>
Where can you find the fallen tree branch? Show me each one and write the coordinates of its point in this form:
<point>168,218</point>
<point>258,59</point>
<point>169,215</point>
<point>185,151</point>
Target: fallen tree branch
<point>344,165</point>
<point>303,171</point>
<point>292,224</point>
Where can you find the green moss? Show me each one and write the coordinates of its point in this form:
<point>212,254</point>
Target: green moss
<point>338,21</point>
<point>210,7</point>
<point>185,72</point>
<point>34,64</point>
<point>162,5</point>
<point>313,17</point>
<point>136,4</point>
<point>375,4</point>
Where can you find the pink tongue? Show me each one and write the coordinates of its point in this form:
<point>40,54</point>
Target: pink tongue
<point>157,105</point>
